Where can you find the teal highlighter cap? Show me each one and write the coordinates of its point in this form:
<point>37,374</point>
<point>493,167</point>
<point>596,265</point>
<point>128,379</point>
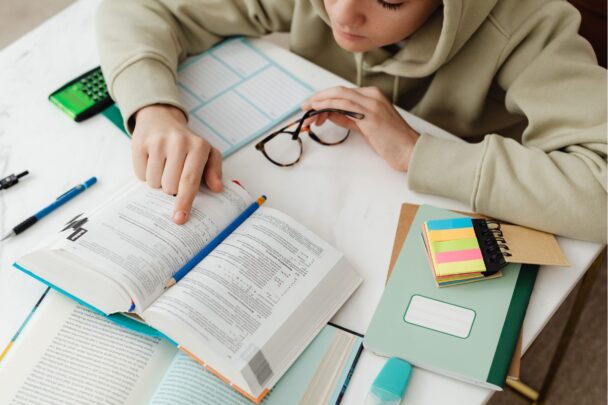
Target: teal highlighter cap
<point>390,384</point>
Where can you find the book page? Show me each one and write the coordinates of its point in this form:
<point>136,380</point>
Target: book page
<point>319,376</point>
<point>134,240</point>
<point>240,294</point>
<point>187,382</point>
<point>68,355</point>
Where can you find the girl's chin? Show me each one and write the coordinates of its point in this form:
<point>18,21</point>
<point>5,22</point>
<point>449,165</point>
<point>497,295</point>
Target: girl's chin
<point>352,44</point>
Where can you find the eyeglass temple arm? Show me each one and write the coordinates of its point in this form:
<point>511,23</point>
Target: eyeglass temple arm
<point>353,114</point>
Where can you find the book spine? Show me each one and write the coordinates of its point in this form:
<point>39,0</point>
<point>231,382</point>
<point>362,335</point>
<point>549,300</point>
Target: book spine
<point>23,324</point>
<point>59,290</point>
<point>350,372</point>
<point>512,325</point>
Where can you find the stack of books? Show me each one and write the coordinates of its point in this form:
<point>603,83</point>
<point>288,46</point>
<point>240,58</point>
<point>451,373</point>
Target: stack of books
<point>253,297</point>
<point>455,252</point>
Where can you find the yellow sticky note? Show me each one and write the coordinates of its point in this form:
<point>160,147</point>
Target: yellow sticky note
<point>451,234</point>
<point>466,266</point>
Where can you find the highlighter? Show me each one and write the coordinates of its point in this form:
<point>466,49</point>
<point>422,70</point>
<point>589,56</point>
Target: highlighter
<point>390,383</point>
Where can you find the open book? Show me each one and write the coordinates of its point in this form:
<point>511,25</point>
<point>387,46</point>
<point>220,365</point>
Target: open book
<point>67,354</point>
<point>245,312</point>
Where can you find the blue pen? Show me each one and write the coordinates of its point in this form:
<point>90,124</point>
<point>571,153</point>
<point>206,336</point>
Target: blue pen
<point>214,242</point>
<point>62,199</point>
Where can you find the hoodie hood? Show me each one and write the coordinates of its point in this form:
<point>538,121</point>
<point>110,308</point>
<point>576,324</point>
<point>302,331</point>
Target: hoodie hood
<point>435,43</point>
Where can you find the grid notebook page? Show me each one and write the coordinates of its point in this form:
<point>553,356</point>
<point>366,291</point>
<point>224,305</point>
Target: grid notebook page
<point>234,94</point>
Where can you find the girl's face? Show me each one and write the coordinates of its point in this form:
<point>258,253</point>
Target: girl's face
<point>362,25</point>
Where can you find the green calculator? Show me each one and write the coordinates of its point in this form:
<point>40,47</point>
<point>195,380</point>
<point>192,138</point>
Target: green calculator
<point>84,96</point>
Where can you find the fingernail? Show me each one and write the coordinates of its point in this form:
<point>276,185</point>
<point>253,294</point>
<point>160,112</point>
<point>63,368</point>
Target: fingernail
<point>180,216</point>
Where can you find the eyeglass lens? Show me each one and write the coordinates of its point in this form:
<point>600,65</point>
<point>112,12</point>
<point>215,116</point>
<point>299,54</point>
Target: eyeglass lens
<point>330,133</point>
<point>283,150</point>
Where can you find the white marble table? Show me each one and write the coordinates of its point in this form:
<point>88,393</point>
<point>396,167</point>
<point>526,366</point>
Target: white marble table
<point>346,194</point>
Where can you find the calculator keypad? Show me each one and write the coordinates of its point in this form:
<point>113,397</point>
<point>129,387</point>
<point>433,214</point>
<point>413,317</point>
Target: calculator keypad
<point>94,86</point>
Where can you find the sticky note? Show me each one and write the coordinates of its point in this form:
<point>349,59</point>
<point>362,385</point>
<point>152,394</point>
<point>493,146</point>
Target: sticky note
<point>460,244</point>
<point>441,224</point>
<point>451,234</point>
<point>458,255</point>
<point>454,249</point>
<point>467,266</point>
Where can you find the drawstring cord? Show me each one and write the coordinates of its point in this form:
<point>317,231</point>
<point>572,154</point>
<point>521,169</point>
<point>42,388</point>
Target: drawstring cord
<point>395,89</point>
<point>359,60</point>
<point>359,64</point>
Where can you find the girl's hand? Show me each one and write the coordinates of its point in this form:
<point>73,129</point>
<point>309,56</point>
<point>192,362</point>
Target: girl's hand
<point>383,128</point>
<point>167,154</point>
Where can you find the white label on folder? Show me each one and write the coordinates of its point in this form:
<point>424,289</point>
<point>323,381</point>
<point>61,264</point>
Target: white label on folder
<point>440,316</point>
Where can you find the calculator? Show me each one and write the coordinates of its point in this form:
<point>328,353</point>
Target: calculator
<point>84,96</point>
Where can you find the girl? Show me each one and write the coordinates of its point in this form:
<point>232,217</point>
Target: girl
<point>511,77</point>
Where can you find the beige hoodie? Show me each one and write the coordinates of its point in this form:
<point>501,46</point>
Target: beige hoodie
<point>511,77</point>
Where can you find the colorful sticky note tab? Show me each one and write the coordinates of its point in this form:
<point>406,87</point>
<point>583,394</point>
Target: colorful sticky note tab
<point>454,250</point>
<point>460,244</point>
<point>452,223</point>
<point>467,266</point>
<point>458,255</point>
<point>451,234</point>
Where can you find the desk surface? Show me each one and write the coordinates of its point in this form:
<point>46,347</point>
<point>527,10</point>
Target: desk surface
<point>347,194</point>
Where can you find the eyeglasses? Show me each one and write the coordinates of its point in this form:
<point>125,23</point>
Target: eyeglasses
<point>284,147</point>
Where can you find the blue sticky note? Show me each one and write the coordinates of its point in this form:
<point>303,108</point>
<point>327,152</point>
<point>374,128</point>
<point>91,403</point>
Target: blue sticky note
<point>452,223</point>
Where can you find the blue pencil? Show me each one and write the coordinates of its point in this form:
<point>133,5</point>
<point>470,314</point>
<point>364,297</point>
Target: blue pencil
<point>214,242</point>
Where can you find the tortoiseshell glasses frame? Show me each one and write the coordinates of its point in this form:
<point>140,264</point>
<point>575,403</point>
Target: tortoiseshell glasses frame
<point>299,126</point>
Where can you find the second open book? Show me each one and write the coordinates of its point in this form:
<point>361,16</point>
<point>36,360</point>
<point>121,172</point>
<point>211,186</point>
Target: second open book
<point>245,312</point>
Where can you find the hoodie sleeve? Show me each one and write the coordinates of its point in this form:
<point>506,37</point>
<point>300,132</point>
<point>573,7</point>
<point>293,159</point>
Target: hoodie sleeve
<point>555,179</point>
<point>141,42</point>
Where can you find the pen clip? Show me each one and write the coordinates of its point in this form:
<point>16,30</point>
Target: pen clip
<point>80,185</point>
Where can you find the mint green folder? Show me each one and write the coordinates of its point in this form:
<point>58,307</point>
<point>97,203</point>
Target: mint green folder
<point>468,332</point>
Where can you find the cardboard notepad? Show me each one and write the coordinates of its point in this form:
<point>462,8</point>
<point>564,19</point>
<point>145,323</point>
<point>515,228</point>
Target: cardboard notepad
<point>406,216</point>
<point>532,247</point>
